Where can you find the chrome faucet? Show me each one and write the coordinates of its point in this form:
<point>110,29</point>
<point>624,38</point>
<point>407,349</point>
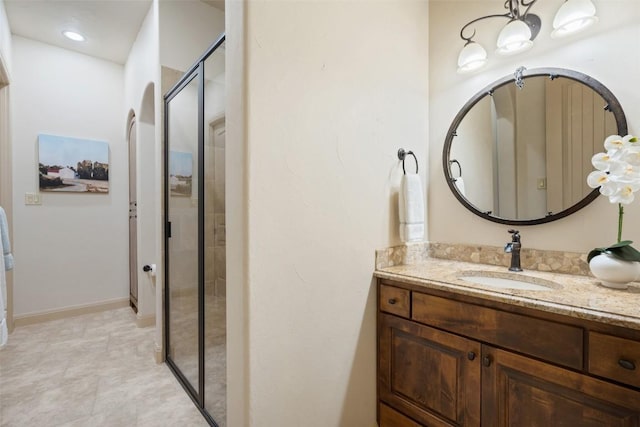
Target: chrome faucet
<point>513,248</point>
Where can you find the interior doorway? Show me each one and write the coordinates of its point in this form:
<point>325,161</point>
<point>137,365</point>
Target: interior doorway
<point>133,218</point>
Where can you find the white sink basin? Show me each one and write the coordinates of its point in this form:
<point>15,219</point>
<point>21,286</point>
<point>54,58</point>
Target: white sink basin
<point>514,281</point>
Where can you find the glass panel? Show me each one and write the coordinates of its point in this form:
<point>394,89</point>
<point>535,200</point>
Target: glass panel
<point>215,380</point>
<point>183,245</point>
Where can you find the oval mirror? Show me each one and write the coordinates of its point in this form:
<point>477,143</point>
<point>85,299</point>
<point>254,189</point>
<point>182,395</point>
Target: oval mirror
<point>520,150</point>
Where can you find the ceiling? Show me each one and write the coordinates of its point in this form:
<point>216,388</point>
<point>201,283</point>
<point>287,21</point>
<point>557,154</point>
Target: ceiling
<point>110,26</point>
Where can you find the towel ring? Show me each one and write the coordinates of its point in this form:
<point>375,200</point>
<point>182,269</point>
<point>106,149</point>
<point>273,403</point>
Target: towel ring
<point>402,154</point>
<point>459,167</point>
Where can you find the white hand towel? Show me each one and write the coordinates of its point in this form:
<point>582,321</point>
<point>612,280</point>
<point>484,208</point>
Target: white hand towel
<point>460,185</point>
<point>411,232</point>
<point>411,200</point>
<point>6,245</point>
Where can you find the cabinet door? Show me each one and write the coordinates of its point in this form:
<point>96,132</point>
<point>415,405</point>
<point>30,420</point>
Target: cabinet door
<point>518,391</point>
<point>431,376</point>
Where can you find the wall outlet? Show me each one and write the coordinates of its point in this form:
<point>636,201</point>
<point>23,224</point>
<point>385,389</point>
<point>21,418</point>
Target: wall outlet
<point>542,183</point>
<point>32,199</point>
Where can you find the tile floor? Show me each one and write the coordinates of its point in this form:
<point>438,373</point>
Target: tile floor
<point>89,371</point>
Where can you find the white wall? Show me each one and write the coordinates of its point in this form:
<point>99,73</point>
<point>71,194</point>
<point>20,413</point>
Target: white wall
<point>5,37</point>
<point>72,250</point>
<point>142,75</point>
<point>189,27</point>
<point>237,202</point>
<point>334,89</point>
<point>608,52</point>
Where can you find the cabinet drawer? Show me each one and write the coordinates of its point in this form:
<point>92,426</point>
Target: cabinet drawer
<point>615,358</point>
<point>554,342</point>
<point>392,418</point>
<point>395,300</point>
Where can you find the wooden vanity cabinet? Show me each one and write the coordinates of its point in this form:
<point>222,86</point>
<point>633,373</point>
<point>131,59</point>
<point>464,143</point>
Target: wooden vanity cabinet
<point>430,375</point>
<point>520,391</point>
<point>444,362</point>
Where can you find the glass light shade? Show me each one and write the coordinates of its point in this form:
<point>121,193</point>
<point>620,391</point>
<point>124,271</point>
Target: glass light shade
<point>515,37</point>
<point>572,17</point>
<point>472,57</point>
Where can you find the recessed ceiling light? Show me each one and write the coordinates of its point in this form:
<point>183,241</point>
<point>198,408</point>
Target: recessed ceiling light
<point>72,35</point>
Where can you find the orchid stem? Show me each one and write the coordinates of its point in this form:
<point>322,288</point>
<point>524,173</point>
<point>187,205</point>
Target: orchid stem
<point>620,215</point>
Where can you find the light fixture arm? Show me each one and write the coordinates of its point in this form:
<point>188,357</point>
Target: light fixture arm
<point>468,39</point>
<point>514,13</point>
<point>515,10</point>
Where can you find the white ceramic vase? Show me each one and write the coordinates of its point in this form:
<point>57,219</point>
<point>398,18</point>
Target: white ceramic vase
<point>613,272</point>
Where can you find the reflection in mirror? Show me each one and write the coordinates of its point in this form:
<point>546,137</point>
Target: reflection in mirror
<point>526,153</point>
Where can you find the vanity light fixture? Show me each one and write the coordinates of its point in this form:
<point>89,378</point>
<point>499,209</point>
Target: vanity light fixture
<point>472,57</point>
<point>516,36</point>
<point>523,27</point>
<point>572,17</point>
<point>72,35</point>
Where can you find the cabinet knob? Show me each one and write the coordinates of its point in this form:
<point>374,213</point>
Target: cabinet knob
<point>486,361</point>
<point>471,355</point>
<point>392,301</point>
<point>627,364</point>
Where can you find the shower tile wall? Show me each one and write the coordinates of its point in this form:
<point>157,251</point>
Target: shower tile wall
<point>215,232</point>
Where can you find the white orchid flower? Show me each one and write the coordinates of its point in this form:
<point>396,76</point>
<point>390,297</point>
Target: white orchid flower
<point>617,173</point>
<point>624,194</point>
<point>601,179</point>
<point>624,172</point>
<point>601,161</point>
<point>617,176</point>
<point>613,142</point>
<point>632,155</point>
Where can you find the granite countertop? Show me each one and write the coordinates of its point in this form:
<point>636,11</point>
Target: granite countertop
<point>576,296</point>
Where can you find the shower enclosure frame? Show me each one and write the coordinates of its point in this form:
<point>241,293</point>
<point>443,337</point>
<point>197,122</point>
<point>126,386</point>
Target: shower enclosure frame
<point>196,71</point>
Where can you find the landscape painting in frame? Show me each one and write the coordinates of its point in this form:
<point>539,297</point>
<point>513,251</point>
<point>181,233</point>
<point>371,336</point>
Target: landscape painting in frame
<point>180,173</point>
<point>73,165</point>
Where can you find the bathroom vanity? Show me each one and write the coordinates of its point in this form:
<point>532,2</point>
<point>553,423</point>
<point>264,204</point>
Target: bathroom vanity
<point>455,353</point>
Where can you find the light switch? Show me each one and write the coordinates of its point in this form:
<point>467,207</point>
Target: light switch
<point>32,199</point>
<point>542,183</point>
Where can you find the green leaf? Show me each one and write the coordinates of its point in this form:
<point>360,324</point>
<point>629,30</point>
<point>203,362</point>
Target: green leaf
<point>621,244</point>
<point>595,253</point>
<point>626,253</point>
<point>621,250</point>
<point>634,139</point>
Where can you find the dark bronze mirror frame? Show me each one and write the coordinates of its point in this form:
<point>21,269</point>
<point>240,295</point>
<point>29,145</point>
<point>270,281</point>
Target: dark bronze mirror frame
<point>613,105</point>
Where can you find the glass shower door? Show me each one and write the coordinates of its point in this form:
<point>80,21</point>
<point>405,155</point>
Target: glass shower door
<point>195,238</point>
<point>183,214</point>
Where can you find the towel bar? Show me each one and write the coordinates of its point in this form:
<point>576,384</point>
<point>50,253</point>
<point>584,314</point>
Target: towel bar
<point>402,154</point>
<point>459,167</point>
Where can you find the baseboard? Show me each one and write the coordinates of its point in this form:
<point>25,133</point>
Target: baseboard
<point>145,321</point>
<point>158,354</point>
<point>45,316</point>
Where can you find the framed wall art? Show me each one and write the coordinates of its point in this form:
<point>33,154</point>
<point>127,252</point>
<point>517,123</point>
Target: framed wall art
<point>72,164</point>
